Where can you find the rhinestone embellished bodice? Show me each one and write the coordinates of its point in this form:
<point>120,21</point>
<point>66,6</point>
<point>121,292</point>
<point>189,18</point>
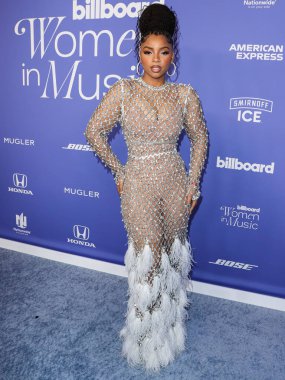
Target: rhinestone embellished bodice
<point>153,205</point>
<point>152,118</point>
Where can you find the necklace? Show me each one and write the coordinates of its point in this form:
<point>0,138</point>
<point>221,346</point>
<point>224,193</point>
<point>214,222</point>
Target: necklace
<point>150,86</point>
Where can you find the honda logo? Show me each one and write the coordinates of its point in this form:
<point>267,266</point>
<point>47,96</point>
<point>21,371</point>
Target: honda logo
<point>20,180</point>
<point>81,232</point>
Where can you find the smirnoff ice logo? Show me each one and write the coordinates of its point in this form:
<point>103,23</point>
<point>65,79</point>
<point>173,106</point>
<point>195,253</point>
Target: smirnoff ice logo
<point>234,164</point>
<point>249,110</point>
<point>240,216</point>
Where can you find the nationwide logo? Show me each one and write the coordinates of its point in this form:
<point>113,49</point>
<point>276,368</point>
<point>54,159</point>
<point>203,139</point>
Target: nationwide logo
<point>100,9</point>
<point>258,4</point>
<point>235,164</point>
<point>21,222</point>
<point>20,182</point>
<point>240,217</point>
<point>233,264</point>
<point>81,236</point>
<point>82,147</point>
<point>257,52</point>
<point>81,192</point>
<point>250,109</point>
<point>18,141</point>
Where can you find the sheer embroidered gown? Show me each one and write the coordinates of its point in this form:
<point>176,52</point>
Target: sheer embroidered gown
<point>159,255</point>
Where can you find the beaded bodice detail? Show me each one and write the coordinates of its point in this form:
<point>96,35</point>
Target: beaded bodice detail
<point>152,118</point>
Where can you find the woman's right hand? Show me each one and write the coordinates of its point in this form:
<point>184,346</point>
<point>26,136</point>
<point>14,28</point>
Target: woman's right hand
<point>120,186</point>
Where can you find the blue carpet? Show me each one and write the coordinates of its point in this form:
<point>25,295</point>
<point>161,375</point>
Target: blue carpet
<point>61,322</point>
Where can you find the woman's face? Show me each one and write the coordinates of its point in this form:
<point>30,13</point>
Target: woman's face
<point>156,54</point>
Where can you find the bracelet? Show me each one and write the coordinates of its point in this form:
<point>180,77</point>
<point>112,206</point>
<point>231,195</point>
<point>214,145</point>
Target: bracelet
<point>120,174</point>
<point>196,195</point>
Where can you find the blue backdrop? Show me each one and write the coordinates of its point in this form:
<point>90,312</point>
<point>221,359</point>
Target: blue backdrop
<point>58,58</point>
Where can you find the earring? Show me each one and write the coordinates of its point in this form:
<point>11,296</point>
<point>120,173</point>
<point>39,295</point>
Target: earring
<point>138,69</point>
<point>174,71</point>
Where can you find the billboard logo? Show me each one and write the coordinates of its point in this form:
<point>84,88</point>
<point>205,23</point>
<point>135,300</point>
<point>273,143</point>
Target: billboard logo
<point>81,236</point>
<point>250,109</point>
<point>20,182</point>
<point>22,224</point>
<point>240,216</point>
<point>98,9</point>
<point>235,164</point>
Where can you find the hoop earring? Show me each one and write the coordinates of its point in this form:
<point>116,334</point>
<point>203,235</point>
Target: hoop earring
<point>174,71</point>
<point>140,74</point>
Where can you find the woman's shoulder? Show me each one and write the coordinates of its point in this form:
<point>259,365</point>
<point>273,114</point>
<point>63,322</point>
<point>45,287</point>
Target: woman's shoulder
<point>184,89</point>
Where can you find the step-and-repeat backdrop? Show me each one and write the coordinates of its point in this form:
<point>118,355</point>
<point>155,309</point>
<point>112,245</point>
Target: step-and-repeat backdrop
<point>58,59</point>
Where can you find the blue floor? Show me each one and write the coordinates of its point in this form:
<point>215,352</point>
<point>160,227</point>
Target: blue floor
<point>61,322</point>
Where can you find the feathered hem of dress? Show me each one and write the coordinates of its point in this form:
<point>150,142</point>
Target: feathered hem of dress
<point>154,332</point>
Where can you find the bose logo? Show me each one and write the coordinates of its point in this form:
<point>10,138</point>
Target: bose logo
<point>20,180</point>
<point>233,264</point>
<point>81,232</point>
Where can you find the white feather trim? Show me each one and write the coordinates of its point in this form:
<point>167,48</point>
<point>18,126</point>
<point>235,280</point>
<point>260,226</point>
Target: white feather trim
<point>131,350</point>
<point>180,334</point>
<point>134,324</point>
<point>142,296</point>
<point>156,286</point>
<point>175,250</point>
<point>149,355</point>
<point>173,281</point>
<point>187,259</point>
<point>183,299</point>
<point>166,353</point>
<point>131,280</point>
<point>123,332</point>
<point>144,262</point>
<point>157,319</point>
<point>130,256</point>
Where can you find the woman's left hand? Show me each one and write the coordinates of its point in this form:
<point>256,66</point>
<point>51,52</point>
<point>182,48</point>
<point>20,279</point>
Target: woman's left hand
<point>192,204</point>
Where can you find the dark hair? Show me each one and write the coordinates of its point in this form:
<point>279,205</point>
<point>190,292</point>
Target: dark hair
<point>157,19</point>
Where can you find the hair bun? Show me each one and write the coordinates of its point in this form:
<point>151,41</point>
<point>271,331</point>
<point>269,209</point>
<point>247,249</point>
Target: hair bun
<point>157,17</point>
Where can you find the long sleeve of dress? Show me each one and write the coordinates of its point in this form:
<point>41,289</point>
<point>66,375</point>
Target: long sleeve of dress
<point>195,126</point>
<point>102,121</point>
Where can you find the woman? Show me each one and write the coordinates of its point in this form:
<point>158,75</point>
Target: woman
<point>157,196</point>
